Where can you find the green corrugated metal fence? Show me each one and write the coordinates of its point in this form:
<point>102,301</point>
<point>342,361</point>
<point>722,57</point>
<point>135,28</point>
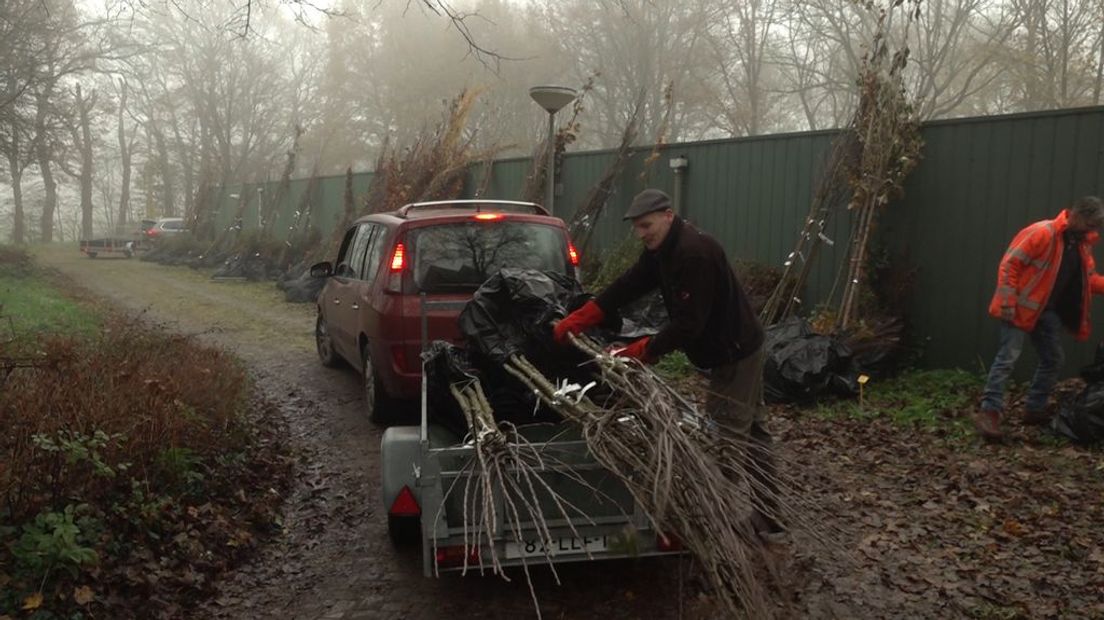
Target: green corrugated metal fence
<point>982,179</point>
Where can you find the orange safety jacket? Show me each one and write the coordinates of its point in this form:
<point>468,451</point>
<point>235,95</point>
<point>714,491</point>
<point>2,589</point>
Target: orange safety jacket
<point>1029,268</point>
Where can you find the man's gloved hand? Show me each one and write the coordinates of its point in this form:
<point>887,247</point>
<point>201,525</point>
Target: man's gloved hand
<point>637,350</point>
<point>588,316</point>
<point>1008,313</point>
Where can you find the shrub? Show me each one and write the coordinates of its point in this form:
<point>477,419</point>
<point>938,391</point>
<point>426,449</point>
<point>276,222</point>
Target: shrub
<point>132,467</point>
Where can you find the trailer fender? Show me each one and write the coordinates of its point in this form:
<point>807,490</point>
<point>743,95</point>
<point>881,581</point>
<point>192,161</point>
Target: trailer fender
<point>399,463</point>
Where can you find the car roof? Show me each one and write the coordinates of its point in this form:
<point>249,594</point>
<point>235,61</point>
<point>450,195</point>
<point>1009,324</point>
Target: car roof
<point>441,211</point>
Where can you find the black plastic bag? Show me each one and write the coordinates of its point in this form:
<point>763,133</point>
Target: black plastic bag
<point>304,289</point>
<point>513,311</point>
<point>802,365</point>
<point>1082,421</point>
<point>511,401</point>
<point>646,316</point>
<point>446,364</point>
<point>1094,373</point>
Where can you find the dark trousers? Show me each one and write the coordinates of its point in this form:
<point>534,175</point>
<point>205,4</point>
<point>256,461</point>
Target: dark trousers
<point>735,402</point>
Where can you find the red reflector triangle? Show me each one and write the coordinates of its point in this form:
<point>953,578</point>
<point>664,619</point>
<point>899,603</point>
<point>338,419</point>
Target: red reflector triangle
<point>405,505</point>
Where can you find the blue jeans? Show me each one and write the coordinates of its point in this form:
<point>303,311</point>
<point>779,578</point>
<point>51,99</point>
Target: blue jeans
<point>1045,340</point>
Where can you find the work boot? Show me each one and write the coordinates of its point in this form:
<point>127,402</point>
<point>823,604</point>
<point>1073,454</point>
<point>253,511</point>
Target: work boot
<point>1036,418</point>
<point>987,423</point>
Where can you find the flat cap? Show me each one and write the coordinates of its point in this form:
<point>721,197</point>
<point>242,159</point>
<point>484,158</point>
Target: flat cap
<point>647,201</point>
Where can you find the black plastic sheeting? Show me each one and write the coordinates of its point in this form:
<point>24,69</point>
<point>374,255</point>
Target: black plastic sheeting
<point>447,364</point>
<point>301,289</point>
<point>249,266</point>
<point>644,317</point>
<point>802,366</point>
<point>1082,421</point>
<point>512,313</point>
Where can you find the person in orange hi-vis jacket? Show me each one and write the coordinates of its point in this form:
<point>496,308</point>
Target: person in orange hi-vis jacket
<point>1045,282</point>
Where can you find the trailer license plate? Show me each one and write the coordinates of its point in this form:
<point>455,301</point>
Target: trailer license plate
<point>562,546</point>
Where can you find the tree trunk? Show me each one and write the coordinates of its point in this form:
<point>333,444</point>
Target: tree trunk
<point>42,151</point>
<point>186,162</point>
<point>125,152</point>
<point>18,227</point>
<point>167,194</point>
<point>50,203</point>
<point>85,143</point>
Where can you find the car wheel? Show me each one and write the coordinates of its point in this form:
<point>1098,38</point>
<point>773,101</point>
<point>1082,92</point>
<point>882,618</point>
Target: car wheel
<point>324,343</point>
<point>404,531</point>
<point>380,408</point>
<point>91,255</point>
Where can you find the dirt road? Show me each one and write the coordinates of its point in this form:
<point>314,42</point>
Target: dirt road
<point>928,526</point>
<point>335,559</point>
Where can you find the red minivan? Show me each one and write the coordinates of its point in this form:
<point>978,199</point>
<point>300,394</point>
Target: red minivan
<point>370,307</point>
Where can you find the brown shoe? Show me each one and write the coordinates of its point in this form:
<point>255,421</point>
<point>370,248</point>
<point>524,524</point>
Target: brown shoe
<point>1036,418</point>
<point>987,423</point>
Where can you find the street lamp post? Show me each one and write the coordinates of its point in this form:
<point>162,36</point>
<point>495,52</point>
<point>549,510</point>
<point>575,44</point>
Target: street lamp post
<point>552,99</point>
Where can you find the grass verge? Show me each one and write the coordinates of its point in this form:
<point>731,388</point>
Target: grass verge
<point>930,400</point>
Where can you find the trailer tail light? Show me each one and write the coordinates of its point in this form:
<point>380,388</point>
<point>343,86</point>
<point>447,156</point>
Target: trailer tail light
<point>453,556</point>
<point>398,258</point>
<point>668,542</point>
<point>488,217</point>
<point>405,505</point>
<point>572,254</point>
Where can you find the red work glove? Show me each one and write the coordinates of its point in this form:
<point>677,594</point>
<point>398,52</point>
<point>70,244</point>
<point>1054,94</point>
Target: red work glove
<point>587,316</point>
<point>637,350</point>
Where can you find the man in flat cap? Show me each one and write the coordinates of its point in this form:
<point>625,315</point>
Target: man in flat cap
<point>711,320</point>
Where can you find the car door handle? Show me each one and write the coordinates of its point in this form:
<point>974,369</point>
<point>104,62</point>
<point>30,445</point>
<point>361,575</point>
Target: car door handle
<point>337,302</point>
<point>356,306</point>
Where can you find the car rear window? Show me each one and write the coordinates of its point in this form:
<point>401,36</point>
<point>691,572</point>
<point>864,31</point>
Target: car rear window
<point>461,256</point>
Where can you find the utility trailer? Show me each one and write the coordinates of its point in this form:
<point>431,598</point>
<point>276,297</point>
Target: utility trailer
<point>115,246</point>
<point>423,469</point>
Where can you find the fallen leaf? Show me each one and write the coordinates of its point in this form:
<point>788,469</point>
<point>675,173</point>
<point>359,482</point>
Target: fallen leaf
<point>33,601</point>
<point>1013,527</point>
<point>83,595</point>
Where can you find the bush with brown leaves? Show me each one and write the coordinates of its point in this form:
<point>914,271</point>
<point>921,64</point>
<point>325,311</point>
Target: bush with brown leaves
<point>133,467</point>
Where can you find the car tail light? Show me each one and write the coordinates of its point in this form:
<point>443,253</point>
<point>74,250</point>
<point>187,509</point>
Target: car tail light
<point>153,232</point>
<point>668,542</point>
<point>398,257</point>
<point>572,254</point>
<point>405,505</point>
<point>486,217</point>
<point>453,555</point>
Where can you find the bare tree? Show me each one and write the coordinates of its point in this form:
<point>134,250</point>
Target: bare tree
<point>953,53</point>
<point>25,30</point>
<point>1053,54</point>
<point>740,42</point>
<point>634,46</point>
<point>80,128</point>
<point>127,139</point>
